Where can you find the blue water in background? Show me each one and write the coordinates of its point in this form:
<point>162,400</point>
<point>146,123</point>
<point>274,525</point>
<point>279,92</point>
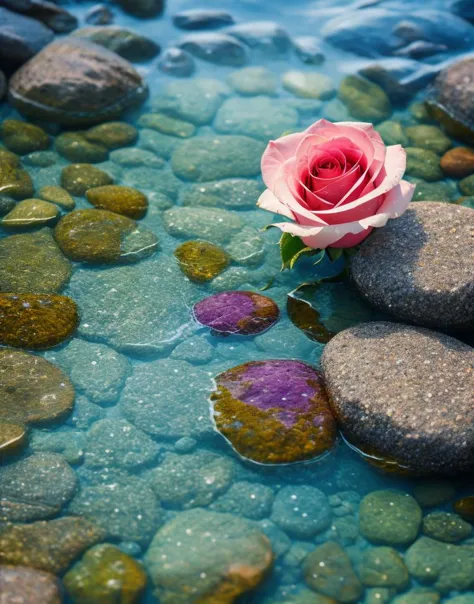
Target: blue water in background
<point>343,470</point>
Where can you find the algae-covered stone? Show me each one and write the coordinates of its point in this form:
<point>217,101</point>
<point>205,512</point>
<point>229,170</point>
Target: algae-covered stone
<point>447,527</point>
<point>30,212</point>
<point>379,595</point>
<point>147,318</point>
<point>226,556</point>
<point>117,443</point>
<point>434,191</point>
<point>32,389</point>
<point>22,585</point>
<point>100,236</point>
<point>127,43</point>
<point>36,321</point>
<point>446,566</point>
<point>134,156</point>
<point>13,438</point>
<point>365,100</point>
<point>14,181</point>
<point>57,195</point>
<point>423,163</point>
<point>429,137</point>
<point>200,260</point>
<point>392,133</point>
<point>192,480</point>
<point>67,443</point>
<point>229,193</point>
<point>119,199</point>
<point>274,411</point>
<point>211,224</point>
<point>35,488</point>
<point>466,185</point>
<point>203,158</point>
<point>47,545</point>
<point>301,511</point>
<point>418,595</point>
<point>309,85</point>
<point>167,124</point>
<point>41,159</point>
<point>32,263</point>
<point>248,499</point>
<point>112,135</point>
<point>158,143</point>
<point>194,101</point>
<point>105,575</point>
<point>22,138</point>
<point>328,570</point>
<point>433,493</point>
<point>260,117</point>
<point>95,369</point>
<point>383,567</point>
<point>124,506</point>
<point>252,81</point>
<point>78,178</point>
<point>75,147</point>
<point>169,399</point>
<point>390,517</point>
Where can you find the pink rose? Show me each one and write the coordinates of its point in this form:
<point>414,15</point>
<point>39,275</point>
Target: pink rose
<point>336,181</point>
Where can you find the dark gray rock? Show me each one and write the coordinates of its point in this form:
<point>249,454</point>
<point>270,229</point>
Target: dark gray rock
<point>74,82</point>
<point>265,37</point>
<point>202,19</point>
<point>3,85</point>
<point>308,49</point>
<point>177,62</point>
<point>144,9</point>
<point>100,14</point>
<point>50,14</point>
<point>20,39</point>
<point>127,43</point>
<point>6,204</point>
<point>217,48</point>
<point>418,267</point>
<point>404,395</point>
<point>382,31</point>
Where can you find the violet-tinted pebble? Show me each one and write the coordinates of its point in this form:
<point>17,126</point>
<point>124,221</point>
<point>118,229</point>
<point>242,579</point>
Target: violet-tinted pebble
<point>240,313</point>
<point>274,412</point>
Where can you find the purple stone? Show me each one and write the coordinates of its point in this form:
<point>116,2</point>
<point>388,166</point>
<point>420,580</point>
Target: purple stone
<point>237,313</point>
<point>274,411</point>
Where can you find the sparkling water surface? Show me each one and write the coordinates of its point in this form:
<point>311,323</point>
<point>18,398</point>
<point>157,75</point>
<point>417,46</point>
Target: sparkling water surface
<point>154,388</point>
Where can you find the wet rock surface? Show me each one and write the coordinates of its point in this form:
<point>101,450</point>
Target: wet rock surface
<point>104,84</point>
<point>127,43</point>
<point>201,261</point>
<point>376,375</point>
<point>121,200</point>
<point>281,402</point>
<point>21,584</point>
<point>418,267</point>
<point>230,555</point>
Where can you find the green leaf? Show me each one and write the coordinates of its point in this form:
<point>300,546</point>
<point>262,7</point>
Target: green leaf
<point>268,285</point>
<point>290,246</point>
<point>320,256</point>
<point>334,253</point>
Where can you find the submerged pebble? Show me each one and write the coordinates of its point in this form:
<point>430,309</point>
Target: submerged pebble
<point>78,178</point>
<point>119,199</point>
<point>30,212</point>
<point>201,260</point>
<point>253,81</point>
<point>22,137</point>
<point>22,584</point>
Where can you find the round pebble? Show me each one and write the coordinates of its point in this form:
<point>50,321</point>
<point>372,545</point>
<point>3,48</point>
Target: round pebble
<point>30,212</point>
<point>309,85</point>
<point>78,178</point>
<point>119,199</point>
<point>57,195</point>
<point>458,162</point>
<point>201,261</point>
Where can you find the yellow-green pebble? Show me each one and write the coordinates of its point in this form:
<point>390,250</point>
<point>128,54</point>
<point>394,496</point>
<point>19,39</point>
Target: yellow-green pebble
<point>112,135</point>
<point>167,125</point>
<point>30,212</point>
<point>57,195</point>
<point>22,138</point>
<point>119,199</point>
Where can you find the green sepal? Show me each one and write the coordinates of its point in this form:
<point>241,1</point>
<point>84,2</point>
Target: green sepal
<point>334,253</point>
<point>291,249</point>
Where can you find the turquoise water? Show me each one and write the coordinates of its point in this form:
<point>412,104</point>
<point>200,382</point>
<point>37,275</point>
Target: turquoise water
<point>160,375</point>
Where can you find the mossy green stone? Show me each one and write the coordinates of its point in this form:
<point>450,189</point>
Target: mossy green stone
<point>167,124</point>
<point>365,100</point>
<point>466,186</point>
<point>32,263</point>
<point>424,164</point>
<point>447,527</point>
<point>41,159</point>
<point>379,595</point>
<point>75,147</point>
<point>12,438</point>
<point>231,193</point>
<point>392,133</point>
<point>466,201</point>
<point>78,178</point>
<point>112,135</point>
<point>50,545</point>
<point>200,260</point>
<point>420,112</point>
<point>433,191</point>
<point>328,570</point>
<point>22,138</point>
<point>30,212</point>
<point>119,199</point>
<point>14,181</point>
<point>105,575</point>
<point>429,137</point>
<point>389,517</point>
<point>309,85</point>
<point>433,493</point>
<point>383,567</point>
<point>418,595</point>
<point>57,195</point>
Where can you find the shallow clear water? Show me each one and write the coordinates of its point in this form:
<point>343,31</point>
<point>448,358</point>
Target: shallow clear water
<point>121,307</point>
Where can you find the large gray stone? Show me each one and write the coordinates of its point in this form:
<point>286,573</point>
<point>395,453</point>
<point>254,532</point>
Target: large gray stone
<point>419,267</point>
<point>76,82</point>
<point>21,585</point>
<point>215,47</point>
<point>403,395</point>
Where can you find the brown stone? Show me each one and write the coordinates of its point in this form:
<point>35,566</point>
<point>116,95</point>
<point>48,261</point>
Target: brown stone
<point>458,162</point>
<point>119,199</point>
<point>36,321</point>
<point>22,585</point>
<point>200,260</point>
<point>73,81</point>
<point>465,508</point>
<point>12,437</point>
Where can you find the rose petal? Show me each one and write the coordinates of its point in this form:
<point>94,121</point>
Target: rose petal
<point>276,153</point>
<point>268,201</point>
